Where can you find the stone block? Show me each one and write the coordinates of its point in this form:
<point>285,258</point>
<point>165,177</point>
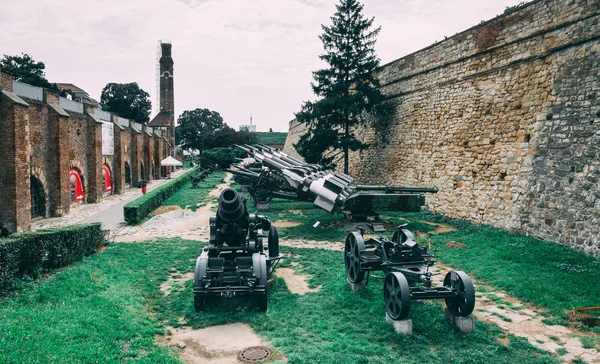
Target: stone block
<point>263,206</point>
<point>400,326</point>
<point>356,287</point>
<point>464,324</point>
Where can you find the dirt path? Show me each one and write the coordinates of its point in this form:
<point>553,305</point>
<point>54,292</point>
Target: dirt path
<point>523,320</point>
<point>215,344</point>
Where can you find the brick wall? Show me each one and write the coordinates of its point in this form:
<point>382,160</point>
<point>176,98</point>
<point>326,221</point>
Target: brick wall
<point>42,140</point>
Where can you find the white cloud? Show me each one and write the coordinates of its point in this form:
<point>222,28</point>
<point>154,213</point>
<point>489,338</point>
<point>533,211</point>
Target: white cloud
<point>234,56</point>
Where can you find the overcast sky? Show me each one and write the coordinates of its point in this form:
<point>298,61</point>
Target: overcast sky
<point>238,57</point>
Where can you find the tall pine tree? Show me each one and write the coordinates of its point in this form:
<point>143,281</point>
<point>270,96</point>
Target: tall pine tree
<point>348,89</point>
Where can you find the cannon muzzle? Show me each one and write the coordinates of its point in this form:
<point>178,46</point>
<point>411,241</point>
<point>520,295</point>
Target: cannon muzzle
<point>232,207</point>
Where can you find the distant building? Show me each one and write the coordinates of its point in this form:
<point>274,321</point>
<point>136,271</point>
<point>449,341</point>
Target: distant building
<point>250,128</point>
<point>77,94</point>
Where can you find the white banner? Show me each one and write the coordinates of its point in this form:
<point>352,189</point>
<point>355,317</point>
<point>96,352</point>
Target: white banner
<point>108,139</point>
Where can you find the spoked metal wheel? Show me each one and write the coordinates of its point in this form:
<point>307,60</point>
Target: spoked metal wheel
<point>396,295</point>
<point>464,302</point>
<point>355,245</point>
<point>262,194</point>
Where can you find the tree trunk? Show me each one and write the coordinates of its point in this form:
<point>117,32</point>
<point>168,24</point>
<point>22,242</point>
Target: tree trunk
<point>346,138</point>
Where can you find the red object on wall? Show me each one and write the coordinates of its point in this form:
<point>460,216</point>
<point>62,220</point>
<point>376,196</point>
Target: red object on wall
<point>76,186</point>
<point>107,178</point>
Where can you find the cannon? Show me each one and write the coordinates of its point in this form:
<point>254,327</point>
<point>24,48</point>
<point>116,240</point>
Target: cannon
<point>236,262</point>
<point>406,266</point>
<point>286,177</point>
<point>199,177</point>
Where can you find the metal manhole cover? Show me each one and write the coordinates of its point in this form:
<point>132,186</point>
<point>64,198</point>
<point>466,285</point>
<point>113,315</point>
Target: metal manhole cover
<point>254,354</point>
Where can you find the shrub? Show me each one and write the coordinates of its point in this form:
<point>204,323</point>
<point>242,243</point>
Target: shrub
<point>223,157</point>
<point>138,209</point>
<point>26,254</point>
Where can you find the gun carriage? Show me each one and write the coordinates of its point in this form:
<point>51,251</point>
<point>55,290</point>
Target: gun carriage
<point>407,276</point>
<point>236,261</point>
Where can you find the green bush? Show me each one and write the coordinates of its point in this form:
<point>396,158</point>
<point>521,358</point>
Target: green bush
<point>26,254</point>
<point>138,209</point>
<point>223,157</point>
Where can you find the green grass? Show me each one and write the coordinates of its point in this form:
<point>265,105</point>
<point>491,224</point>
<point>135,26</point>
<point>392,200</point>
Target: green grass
<point>272,138</point>
<point>543,273</point>
<point>109,307</point>
<point>190,197</point>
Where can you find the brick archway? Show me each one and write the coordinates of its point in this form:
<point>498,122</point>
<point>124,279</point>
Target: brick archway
<point>39,204</point>
<point>38,173</point>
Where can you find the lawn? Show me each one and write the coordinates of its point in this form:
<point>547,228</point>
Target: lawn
<point>188,197</point>
<point>109,307</point>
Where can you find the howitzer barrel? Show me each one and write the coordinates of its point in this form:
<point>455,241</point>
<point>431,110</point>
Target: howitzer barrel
<point>245,173</point>
<point>232,208</point>
<point>397,189</point>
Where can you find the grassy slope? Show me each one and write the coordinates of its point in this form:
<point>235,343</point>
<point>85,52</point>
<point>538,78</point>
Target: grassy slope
<point>273,138</point>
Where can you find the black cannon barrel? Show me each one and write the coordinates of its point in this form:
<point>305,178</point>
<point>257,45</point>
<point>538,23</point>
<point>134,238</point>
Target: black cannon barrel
<point>397,189</point>
<point>231,207</point>
<point>273,164</point>
<point>244,172</point>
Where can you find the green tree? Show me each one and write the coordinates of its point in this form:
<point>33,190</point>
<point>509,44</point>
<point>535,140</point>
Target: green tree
<point>270,130</point>
<point>196,126</point>
<point>25,69</point>
<point>227,137</point>
<point>128,100</point>
<point>347,89</point>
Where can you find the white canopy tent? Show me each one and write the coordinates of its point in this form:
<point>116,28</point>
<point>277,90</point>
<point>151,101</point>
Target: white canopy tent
<point>170,162</point>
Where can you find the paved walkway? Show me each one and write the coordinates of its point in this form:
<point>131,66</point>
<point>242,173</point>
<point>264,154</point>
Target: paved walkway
<point>109,211</point>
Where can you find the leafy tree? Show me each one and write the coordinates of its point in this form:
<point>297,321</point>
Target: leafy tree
<point>25,69</point>
<point>347,88</point>
<point>128,100</point>
<point>223,157</point>
<point>194,126</point>
<point>227,136</point>
<point>270,130</point>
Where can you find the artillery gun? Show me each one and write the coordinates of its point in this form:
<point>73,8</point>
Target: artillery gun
<point>236,262</point>
<point>286,177</point>
<point>407,276</point>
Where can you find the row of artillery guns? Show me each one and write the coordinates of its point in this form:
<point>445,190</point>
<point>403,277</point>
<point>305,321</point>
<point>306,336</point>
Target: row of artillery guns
<point>279,175</point>
<point>405,263</point>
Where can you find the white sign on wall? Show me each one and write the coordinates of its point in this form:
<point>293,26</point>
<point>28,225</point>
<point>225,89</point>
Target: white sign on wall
<point>108,140</point>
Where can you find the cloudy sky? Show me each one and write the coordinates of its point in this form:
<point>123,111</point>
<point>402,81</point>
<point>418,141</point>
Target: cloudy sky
<point>238,57</point>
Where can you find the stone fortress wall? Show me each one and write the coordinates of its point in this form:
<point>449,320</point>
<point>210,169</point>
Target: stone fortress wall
<point>505,119</point>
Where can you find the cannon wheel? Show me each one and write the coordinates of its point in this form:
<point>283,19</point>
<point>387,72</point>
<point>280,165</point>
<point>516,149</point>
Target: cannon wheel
<point>464,302</point>
<point>200,301</point>
<point>259,266</point>
<point>262,194</point>
<point>396,295</point>
<point>355,245</point>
